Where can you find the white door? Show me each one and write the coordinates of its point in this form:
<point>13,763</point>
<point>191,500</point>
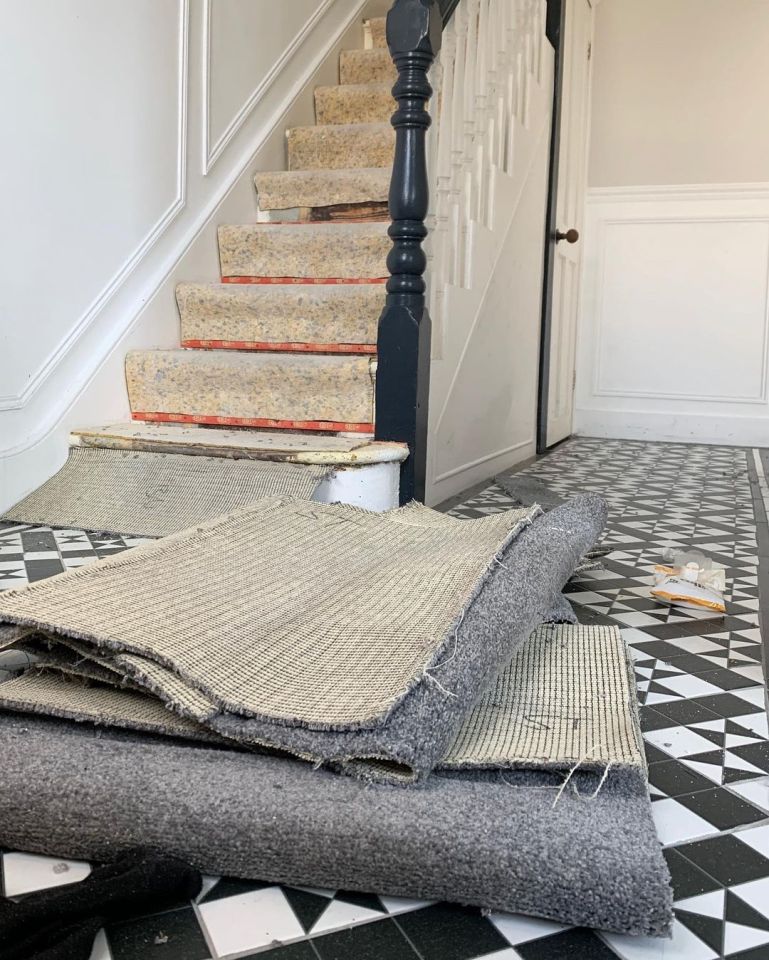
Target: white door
<point>570,204</point>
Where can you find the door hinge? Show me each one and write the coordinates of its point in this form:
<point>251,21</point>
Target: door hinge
<point>589,50</point>
<point>574,381</point>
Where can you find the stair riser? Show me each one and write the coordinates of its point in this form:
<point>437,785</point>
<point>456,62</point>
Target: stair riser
<point>340,147</point>
<point>251,390</point>
<point>330,319</point>
<point>366,66</point>
<point>354,104</point>
<point>311,189</point>
<point>339,251</point>
<point>375,31</point>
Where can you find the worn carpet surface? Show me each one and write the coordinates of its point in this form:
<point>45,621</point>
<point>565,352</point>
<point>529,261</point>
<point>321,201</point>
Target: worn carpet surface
<point>515,840</point>
<point>367,640</point>
<point>155,494</point>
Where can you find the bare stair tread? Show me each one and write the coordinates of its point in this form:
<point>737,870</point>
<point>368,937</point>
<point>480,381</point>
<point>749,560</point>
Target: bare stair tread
<point>240,442</point>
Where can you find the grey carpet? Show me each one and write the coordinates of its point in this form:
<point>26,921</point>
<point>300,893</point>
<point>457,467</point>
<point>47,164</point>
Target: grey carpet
<point>496,840</point>
<point>511,599</point>
<point>155,494</point>
<point>526,491</point>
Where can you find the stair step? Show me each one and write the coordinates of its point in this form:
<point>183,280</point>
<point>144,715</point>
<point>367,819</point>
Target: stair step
<point>286,189</point>
<point>272,390</point>
<point>239,442</point>
<point>332,318</point>
<point>375,32</point>
<point>367,66</point>
<point>338,146</point>
<point>305,250</point>
<point>354,103</point>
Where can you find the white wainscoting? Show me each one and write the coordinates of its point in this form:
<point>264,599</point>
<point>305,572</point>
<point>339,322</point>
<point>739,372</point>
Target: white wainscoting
<point>674,320</point>
<point>132,130</point>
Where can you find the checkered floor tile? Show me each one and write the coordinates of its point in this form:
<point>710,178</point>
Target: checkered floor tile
<point>701,689</point>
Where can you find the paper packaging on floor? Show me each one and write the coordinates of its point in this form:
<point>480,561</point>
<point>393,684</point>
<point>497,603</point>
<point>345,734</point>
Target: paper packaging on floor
<point>691,581</point>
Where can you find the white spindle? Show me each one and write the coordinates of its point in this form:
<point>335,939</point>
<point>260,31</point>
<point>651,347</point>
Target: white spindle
<point>492,54</point>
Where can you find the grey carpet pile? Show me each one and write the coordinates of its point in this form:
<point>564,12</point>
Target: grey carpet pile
<point>510,840</point>
<point>155,494</point>
<point>206,668</point>
<point>527,491</point>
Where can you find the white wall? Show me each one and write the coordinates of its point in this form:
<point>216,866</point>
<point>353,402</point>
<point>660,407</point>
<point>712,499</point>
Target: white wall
<point>675,312</point>
<point>132,129</point>
<point>680,92</point>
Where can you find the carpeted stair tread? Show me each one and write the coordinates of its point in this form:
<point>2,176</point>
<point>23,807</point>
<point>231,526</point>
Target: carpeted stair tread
<point>287,189</point>
<point>299,391</point>
<point>331,318</point>
<point>354,103</point>
<point>366,66</point>
<point>374,32</point>
<point>310,251</point>
<point>337,146</point>
<point>239,442</point>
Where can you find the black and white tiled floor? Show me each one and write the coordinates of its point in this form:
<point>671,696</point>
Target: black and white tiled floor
<point>700,684</point>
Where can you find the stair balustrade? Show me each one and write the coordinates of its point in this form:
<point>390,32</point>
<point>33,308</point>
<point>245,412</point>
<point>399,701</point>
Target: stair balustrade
<point>490,55</point>
<point>403,342</point>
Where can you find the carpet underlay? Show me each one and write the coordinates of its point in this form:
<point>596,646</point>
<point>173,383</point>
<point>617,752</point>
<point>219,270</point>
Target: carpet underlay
<point>491,760</point>
<point>155,494</point>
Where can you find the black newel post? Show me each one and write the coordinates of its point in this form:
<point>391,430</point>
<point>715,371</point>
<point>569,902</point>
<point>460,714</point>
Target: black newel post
<point>403,342</point>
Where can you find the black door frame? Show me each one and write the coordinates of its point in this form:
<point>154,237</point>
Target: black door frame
<point>556,16</point>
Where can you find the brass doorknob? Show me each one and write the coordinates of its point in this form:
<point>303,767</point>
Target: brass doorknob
<point>571,236</point>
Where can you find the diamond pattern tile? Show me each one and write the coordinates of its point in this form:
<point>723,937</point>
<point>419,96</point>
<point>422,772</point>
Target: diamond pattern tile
<point>701,689</point>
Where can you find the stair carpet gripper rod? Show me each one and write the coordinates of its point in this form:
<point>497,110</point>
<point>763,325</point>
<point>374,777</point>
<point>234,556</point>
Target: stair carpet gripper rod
<point>393,626</point>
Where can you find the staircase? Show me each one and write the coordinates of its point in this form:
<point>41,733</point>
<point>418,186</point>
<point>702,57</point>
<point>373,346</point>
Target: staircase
<point>277,361</point>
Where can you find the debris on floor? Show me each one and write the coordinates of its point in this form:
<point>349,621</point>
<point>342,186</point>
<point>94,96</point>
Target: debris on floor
<point>690,580</point>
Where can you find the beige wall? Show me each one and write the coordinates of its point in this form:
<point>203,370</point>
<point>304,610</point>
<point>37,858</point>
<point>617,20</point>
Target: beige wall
<point>680,92</point>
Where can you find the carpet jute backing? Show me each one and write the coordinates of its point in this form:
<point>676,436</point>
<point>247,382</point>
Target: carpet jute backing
<point>311,614</point>
<point>565,699</point>
<point>155,494</point>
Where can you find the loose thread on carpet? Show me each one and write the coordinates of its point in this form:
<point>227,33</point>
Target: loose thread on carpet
<point>574,770</point>
<point>448,660</point>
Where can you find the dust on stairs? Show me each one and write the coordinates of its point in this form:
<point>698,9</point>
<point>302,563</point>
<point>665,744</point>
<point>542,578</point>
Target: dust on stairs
<point>277,361</point>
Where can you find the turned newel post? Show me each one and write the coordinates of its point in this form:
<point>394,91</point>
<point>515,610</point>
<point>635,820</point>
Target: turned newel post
<point>403,342</point>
